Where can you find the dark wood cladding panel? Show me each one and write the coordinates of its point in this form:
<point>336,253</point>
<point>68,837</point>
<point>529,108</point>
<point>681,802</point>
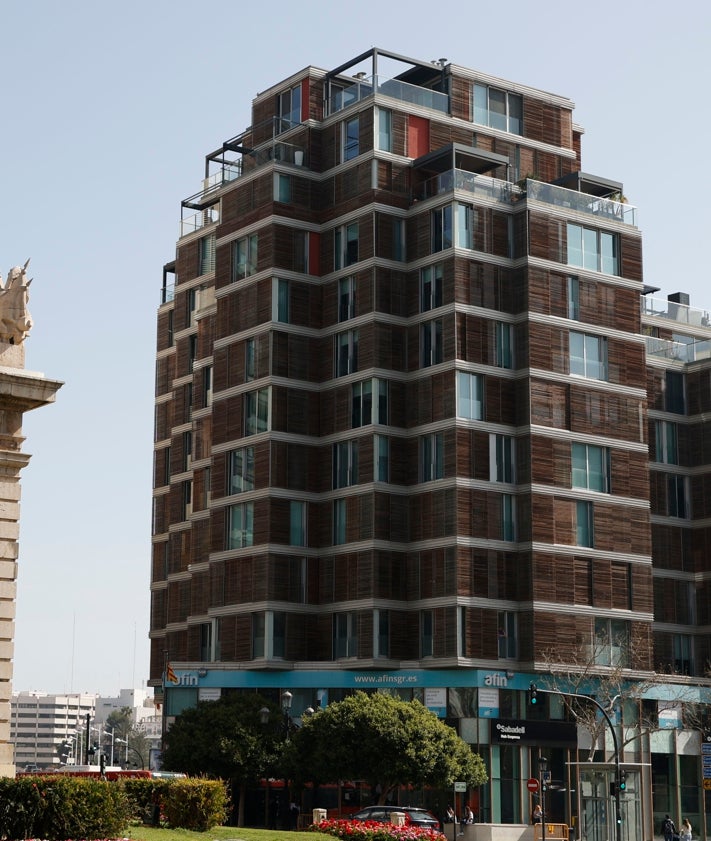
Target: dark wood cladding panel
<point>164,334</point>
<point>550,404</point>
<point>186,268</point>
<point>248,305</point>
<point>432,514</point>
<point>430,399</point>
<point>481,636</point>
<point>548,347</point>
<point>227,419</point>
<point>460,98</point>
<point>600,413</point>
<point>389,291</point>
<point>631,257</point>
<point>698,395</point>
<point>542,121</point>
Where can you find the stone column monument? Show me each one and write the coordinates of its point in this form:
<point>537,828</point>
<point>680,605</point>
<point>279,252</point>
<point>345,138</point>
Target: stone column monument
<point>20,391</point>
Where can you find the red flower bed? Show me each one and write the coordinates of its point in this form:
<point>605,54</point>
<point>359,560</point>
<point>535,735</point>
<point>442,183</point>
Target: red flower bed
<point>376,831</point>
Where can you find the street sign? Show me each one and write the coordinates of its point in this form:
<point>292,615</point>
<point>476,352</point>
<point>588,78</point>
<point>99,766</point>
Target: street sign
<point>532,784</point>
<point>460,787</point>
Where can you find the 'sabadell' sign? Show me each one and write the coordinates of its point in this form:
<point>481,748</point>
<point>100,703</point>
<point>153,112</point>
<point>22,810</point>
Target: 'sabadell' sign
<point>507,732</point>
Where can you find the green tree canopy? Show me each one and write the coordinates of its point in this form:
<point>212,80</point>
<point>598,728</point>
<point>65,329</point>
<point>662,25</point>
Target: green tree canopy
<point>226,739</point>
<point>385,741</point>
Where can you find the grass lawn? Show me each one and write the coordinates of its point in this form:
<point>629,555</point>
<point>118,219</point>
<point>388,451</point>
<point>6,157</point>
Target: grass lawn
<point>223,833</point>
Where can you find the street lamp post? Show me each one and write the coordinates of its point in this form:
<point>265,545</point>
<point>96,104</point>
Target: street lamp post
<point>543,778</point>
<point>106,733</point>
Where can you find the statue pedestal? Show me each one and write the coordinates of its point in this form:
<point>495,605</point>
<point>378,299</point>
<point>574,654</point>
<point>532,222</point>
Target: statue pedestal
<point>12,356</point>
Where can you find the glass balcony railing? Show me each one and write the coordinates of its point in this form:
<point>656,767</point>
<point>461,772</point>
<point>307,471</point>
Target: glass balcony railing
<point>202,218</point>
<point>458,179</point>
<point>167,294</point>
<point>680,351</point>
<point>679,313</point>
<point>617,211</point>
<point>342,97</point>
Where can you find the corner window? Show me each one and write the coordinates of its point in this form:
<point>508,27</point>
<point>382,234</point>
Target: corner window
<point>431,349</point>
<point>240,525</point>
<point>677,497</point>
<point>573,289</point>
<point>339,522</point>
<point>498,109</point>
<point>591,467</point>
<point>249,360</point>
<point>281,309</point>
<point>346,298</point>
<point>207,386</point>
<point>385,130</point>
<point>350,140</point>
<point>465,226</point>
<point>207,254</point>
<point>240,477</point>
<point>346,353</point>
<point>426,633</point>
<point>431,280</point>
<point>297,523</point>
<point>588,356</point>
<point>431,457</point>
<point>592,249</point>
<point>345,464</point>
<point>612,643</point>
<point>187,499</point>
<point>666,442</point>
<point>282,187</point>
<point>381,637</point>
<point>346,245</point>
<point>258,635</point>
<point>441,224</point>
<point>508,517</point>
<point>682,645</point>
<point>370,402</point>
<point>256,411</point>
<point>399,240</point>
<point>345,635</point>
<point>502,459</point>
<point>288,109</point>
<point>674,393</point>
<point>508,635</point>
<point>470,396</point>
<point>381,455</point>
<point>503,338</point>
<point>244,257</point>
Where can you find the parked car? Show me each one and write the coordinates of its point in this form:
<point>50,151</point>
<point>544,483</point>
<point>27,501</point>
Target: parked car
<point>413,815</point>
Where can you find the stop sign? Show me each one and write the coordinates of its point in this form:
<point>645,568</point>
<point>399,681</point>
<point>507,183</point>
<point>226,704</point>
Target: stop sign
<point>532,784</point>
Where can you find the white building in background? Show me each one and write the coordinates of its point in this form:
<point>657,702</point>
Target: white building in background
<point>41,722</point>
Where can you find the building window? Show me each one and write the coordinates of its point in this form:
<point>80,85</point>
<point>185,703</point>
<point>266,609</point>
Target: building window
<point>346,353</point>
<point>399,240</point>
<point>207,386</point>
<point>258,635</point>
<point>187,499</point>
<point>573,287</point>
<point>431,349</point>
<point>504,344</point>
<point>244,257</point>
<point>431,280</point>
<point>470,396</point>
<point>591,467</point>
<point>191,297</point>
<point>301,251</point>
<point>465,226</point>
<point>612,643</point>
<point>666,442</point>
<point>207,254</point>
<point>674,393</point>
<point>381,637</point>
<point>240,525</point>
<point>431,457</point>
<point>365,409</point>
<point>339,522</point>
<point>282,187</point>
<point>508,635</point>
<point>502,458</point>
<point>584,524</point>
<point>508,517</point>
<point>346,298</point>
<point>350,140</point>
<point>206,647</point>
<point>683,654</point>
<point>250,359</point>
<point>171,328</point>
<point>278,621</point>
<point>381,454</point>
<point>426,631</point>
<point>346,245</point>
<point>498,109</point>
<point>289,109</point>
<point>256,411</point>
<point>385,130</point>
<point>345,635</point>
<point>345,464</point>
<point>677,497</point>
<point>187,450</point>
<point>441,221</point>
<point>192,354</point>
<point>588,356</point>
<point>592,249</point>
<point>297,523</point>
<point>280,301</point>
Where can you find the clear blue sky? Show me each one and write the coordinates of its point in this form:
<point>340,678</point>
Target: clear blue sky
<point>107,113</point>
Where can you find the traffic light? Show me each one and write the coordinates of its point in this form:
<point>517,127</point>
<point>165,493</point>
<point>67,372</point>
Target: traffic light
<point>613,789</point>
<point>623,780</point>
<point>533,695</point>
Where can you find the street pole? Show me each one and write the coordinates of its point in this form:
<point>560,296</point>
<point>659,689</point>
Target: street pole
<point>88,736</point>
<point>542,768</point>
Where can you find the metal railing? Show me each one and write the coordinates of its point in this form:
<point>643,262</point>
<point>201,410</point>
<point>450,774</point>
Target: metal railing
<point>678,351</point>
<point>681,313</point>
<point>459,179</point>
<point>394,88</point>
<point>190,224</point>
<point>167,294</point>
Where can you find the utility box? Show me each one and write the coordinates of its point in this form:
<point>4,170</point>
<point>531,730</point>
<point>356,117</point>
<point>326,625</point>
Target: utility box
<point>319,815</point>
<point>397,818</point>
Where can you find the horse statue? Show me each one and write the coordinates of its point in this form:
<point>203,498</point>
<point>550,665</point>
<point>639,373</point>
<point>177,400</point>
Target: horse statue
<point>15,318</point>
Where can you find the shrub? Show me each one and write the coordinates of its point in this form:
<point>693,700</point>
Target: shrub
<point>195,804</point>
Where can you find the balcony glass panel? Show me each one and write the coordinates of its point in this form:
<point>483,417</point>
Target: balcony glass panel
<point>582,202</point>
<point>342,97</point>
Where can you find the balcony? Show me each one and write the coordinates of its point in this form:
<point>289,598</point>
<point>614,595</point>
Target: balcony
<point>674,311</point>
<point>598,206</point>
<point>482,186</point>
<point>678,351</point>
<point>342,97</point>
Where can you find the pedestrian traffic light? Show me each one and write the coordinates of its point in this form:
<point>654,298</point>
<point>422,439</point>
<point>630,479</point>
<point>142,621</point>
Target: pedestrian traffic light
<point>623,780</point>
<point>613,789</point>
<point>533,695</point>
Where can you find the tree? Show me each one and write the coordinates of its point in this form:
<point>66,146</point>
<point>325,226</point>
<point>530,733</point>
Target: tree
<point>226,739</point>
<point>127,738</point>
<point>382,740</point>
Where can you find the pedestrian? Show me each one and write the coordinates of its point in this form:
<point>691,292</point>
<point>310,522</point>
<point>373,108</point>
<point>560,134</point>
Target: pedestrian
<point>685,831</point>
<point>668,828</point>
<point>468,814</point>
<point>293,815</point>
<point>537,815</point>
